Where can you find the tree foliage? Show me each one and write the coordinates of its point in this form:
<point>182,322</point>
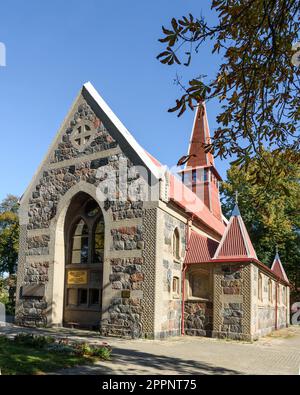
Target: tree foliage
<point>272,216</point>
<point>257,83</point>
<point>9,235</point>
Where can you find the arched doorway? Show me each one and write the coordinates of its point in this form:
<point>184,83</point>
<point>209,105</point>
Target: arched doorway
<point>84,248</point>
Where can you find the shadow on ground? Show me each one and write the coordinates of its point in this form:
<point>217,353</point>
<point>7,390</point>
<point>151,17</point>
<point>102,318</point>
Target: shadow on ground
<point>132,362</point>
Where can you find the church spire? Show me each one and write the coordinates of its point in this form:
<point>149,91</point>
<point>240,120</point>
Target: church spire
<point>200,174</point>
<point>199,137</point>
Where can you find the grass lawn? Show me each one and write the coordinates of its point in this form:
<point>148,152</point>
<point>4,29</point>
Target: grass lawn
<point>21,359</point>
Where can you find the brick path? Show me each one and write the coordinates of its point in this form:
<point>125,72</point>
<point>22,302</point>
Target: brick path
<point>275,355</point>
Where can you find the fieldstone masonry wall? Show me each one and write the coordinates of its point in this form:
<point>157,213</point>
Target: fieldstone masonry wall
<point>97,163</point>
<point>264,319</point>
<point>125,313</point>
<point>232,302</point>
<point>198,318</point>
<point>171,304</point>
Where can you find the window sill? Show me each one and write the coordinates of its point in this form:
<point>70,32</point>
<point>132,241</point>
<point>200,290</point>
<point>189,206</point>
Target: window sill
<point>195,299</point>
<point>177,260</point>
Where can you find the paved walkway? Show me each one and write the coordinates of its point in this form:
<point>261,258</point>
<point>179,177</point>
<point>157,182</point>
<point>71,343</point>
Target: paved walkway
<point>275,355</point>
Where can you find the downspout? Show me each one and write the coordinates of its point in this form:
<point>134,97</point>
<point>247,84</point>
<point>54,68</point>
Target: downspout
<point>184,268</point>
<point>183,298</point>
<point>276,305</point>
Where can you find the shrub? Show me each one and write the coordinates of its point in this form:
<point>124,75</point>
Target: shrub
<point>64,346</point>
<point>102,352</point>
<point>37,341</point>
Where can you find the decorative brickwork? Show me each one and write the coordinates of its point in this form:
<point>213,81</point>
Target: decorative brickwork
<point>148,287</point>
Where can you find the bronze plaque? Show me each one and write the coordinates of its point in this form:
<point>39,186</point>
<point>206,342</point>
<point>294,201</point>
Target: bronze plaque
<point>125,294</point>
<point>34,291</point>
<point>77,277</point>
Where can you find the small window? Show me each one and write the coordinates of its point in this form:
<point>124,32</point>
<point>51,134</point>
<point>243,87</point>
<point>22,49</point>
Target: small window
<point>175,286</point>
<point>94,296</point>
<point>260,287</point>
<point>176,244</point>
<point>205,175</point>
<point>284,291</point>
<point>194,176</point>
<point>270,291</point>
<point>82,296</point>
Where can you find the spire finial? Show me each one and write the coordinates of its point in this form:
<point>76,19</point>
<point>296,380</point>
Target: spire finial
<point>277,253</point>
<point>236,211</point>
<point>236,197</point>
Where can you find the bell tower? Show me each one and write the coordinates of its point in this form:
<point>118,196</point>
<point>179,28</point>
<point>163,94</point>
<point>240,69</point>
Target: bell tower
<point>200,173</point>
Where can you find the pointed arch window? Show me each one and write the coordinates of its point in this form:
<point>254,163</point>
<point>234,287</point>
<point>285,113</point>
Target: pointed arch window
<point>98,242</point>
<point>176,244</point>
<point>260,287</point>
<point>80,243</point>
<point>270,290</point>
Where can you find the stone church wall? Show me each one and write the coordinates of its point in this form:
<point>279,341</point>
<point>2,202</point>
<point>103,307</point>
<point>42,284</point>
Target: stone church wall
<point>168,321</point>
<point>130,249</point>
<point>198,318</point>
<point>232,301</point>
<point>266,316</point>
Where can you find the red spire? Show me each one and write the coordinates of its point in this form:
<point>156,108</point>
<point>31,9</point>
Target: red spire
<point>200,174</point>
<point>278,269</point>
<point>200,136</point>
<point>235,242</point>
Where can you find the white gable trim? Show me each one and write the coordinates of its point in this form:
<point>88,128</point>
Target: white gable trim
<point>122,130</point>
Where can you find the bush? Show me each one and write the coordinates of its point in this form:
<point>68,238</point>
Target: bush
<point>103,351</point>
<point>64,346</point>
<point>36,341</point>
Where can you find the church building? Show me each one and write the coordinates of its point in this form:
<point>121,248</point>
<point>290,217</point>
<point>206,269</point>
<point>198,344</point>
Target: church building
<point>112,240</point>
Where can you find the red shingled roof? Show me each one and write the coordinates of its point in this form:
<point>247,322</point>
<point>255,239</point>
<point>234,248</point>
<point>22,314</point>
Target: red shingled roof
<point>190,202</point>
<point>235,242</point>
<point>200,249</point>
<point>278,269</point>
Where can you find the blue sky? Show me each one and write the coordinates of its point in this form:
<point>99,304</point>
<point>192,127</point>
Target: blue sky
<point>53,47</point>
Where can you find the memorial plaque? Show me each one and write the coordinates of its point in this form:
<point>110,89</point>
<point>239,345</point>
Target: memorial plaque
<point>125,294</point>
<point>33,291</point>
<point>77,277</point>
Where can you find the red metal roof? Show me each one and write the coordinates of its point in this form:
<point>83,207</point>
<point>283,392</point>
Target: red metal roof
<point>190,202</point>
<point>235,242</point>
<point>200,249</point>
<point>278,269</point>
